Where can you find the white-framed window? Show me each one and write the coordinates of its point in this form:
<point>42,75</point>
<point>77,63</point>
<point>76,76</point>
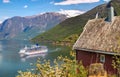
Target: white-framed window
<point>102,58</point>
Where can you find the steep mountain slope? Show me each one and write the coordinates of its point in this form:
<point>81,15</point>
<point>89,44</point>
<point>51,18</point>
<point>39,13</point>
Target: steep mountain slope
<point>28,27</point>
<point>116,5</point>
<point>73,26</point>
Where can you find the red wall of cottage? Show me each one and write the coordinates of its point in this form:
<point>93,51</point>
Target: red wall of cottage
<point>88,58</point>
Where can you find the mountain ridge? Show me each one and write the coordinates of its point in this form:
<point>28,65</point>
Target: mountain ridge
<point>29,26</point>
<point>74,26</point>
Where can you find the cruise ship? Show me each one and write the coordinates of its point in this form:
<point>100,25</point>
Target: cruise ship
<point>33,50</point>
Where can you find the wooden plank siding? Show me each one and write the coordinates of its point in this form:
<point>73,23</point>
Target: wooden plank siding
<point>88,58</point>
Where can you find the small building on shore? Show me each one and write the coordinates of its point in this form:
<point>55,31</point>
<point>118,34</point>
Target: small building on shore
<point>99,41</point>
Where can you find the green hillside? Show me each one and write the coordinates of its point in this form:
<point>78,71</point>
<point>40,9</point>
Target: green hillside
<point>74,26</point>
<point>116,5</point>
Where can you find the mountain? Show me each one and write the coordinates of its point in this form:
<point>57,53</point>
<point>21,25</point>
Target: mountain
<point>74,26</point>
<point>30,26</point>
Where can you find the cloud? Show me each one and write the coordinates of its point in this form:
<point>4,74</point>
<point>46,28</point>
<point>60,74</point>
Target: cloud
<point>70,2</point>
<point>6,1</point>
<point>1,21</point>
<point>106,0</point>
<point>3,18</point>
<point>26,6</point>
<point>52,2</point>
<point>71,13</point>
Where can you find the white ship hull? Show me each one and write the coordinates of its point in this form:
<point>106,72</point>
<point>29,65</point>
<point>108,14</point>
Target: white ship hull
<point>36,52</point>
<point>33,50</point>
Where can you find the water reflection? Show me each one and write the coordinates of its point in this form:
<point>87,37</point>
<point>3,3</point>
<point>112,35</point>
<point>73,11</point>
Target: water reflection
<point>0,58</point>
<point>1,47</point>
<point>57,49</point>
<point>11,61</point>
<point>24,58</point>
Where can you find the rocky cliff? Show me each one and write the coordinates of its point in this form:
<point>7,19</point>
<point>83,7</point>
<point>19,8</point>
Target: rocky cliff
<point>28,27</point>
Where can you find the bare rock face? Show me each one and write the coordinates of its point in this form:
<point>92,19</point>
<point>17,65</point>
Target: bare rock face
<point>28,27</point>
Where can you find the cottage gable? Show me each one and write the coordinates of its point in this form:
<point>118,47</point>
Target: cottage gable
<point>99,34</point>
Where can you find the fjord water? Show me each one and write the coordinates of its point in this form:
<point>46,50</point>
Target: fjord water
<point>11,61</point>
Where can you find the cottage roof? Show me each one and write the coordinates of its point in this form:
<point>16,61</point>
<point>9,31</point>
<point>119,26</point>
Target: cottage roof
<point>100,35</point>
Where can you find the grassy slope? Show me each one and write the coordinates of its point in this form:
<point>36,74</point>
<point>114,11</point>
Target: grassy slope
<point>116,5</point>
<point>59,32</point>
<point>74,25</point>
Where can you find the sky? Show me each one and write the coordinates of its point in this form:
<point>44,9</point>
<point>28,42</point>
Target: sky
<point>11,8</point>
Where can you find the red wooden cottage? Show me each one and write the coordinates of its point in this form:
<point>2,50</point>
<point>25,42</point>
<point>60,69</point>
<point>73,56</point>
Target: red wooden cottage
<point>99,41</point>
